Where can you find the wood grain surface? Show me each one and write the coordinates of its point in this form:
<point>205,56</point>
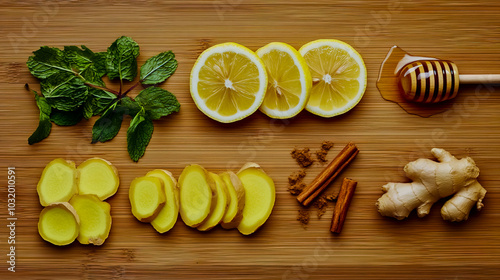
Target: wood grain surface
<point>370,246</point>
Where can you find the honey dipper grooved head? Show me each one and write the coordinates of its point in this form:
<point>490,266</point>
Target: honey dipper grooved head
<point>429,81</point>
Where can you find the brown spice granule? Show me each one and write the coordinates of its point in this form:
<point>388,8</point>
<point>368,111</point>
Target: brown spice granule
<point>295,182</point>
<point>303,157</point>
<point>331,197</point>
<point>325,147</point>
<point>321,203</point>
<point>321,156</point>
<point>297,188</point>
<point>296,177</point>
<point>303,217</point>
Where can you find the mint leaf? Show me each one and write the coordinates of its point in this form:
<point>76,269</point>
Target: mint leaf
<point>65,118</point>
<point>84,59</point>
<point>132,108</point>
<point>90,75</point>
<point>157,102</point>
<point>97,102</point>
<point>99,60</point>
<point>108,125</point>
<point>64,91</point>
<point>44,124</point>
<point>121,59</point>
<point>46,62</point>
<point>138,135</point>
<point>78,58</point>
<point>158,68</point>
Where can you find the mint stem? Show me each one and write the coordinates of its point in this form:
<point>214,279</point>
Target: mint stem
<point>130,89</point>
<point>103,88</point>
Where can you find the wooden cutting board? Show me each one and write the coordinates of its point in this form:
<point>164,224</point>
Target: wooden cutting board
<point>370,246</point>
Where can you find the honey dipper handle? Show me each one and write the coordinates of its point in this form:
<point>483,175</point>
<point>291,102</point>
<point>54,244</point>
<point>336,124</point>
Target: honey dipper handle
<point>480,79</point>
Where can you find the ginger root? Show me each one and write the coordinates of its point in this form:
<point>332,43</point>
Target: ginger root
<point>147,198</point>
<point>167,217</point>
<point>58,182</point>
<point>98,176</point>
<point>432,181</point>
<point>220,207</point>
<point>59,223</point>
<point>260,195</point>
<point>95,218</point>
<point>236,200</point>
<point>198,195</point>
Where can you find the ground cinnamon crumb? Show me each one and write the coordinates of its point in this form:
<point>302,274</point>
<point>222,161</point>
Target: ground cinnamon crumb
<point>296,177</point>
<point>297,188</point>
<point>303,217</point>
<point>321,203</point>
<point>303,157</point>
<point>325,147</point>
<point>321,156</point>
<point>331,197</point>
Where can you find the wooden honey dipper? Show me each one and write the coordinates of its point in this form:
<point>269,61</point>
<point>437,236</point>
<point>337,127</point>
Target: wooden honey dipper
<point>432,81</point>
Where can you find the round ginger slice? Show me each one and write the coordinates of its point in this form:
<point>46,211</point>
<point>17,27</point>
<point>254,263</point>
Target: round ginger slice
<point>59,224</point>
<point>236,200</point>
<point>220,205</point>
<point>197,195</point>
<point>147,198</point>
<point>58,182</point>
<point>95,218</point>
<point>167,217</point>
<point>259,197</point>
<point>98,176</point>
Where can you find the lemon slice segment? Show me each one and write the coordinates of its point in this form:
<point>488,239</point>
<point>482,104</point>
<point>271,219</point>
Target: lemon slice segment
<point>339,77</point>
<point>289,80</point>
<point>228,82</point>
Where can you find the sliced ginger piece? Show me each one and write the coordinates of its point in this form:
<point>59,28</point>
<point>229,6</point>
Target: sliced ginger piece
<point>59,223</point>
<point>95,218</point>
<point>197,195</point>
<point>167,217</point>
<point>259,197</point>
<point>236,200</point>
<point>98,176</point>
<point>147,198</point>
<point>58,182</point>
<point>220,207</point>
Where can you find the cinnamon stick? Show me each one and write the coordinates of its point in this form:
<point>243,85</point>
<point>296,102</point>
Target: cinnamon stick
<point>321,182</point>
<point>343,201</point>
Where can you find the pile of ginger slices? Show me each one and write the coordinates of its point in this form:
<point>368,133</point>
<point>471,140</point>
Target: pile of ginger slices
<point>204,199</point>
<point>73,198</point>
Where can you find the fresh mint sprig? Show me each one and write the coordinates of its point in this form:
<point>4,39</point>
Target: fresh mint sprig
<point>72,89</point>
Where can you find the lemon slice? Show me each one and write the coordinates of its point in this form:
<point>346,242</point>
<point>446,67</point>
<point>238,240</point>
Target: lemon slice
<point>228,82</point>
<point>339,77</point>
<point>289,81</point>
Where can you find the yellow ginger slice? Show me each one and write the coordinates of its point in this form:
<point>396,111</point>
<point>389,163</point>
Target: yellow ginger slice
<point>259,197</point>
<point>167,217</point>
<point>220,207</point>
<point>197,195</point>
<point>147,198</point>
<point>95,218</point>
<point>59,223</point>
<point>58,182</point>
<point>236,200</point>
<point>432,181</point>
<point>98,176</point>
